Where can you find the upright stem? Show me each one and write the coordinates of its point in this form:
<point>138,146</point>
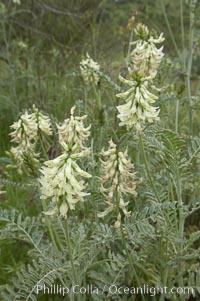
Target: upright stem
<point>189,65</point>
<point>182,34</point>
<point>129,47</point>
<point>147,168</point>
<point>10,65</point>
<point>70,253</point>
<point>117,197</point>
<point>169,29</point>
<point>98,97</point>
<point>177,111</point>
<point>44,207</point>
<point>131,262</point>
<point>181,229</point>
<point>165,276</point>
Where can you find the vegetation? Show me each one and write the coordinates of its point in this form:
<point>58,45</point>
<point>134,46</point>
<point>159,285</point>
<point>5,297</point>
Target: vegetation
<point>100,150</point>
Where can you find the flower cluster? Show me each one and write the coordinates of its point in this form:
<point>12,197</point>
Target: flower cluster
<point>141,31</point>
<point>145,60</point>
<point>138,107</point>
<point>72,133</point>
<point>90,70</point>
<point>146,57</point>
<point>117,180</point>
<point>61,180</point>
<point>25,133</point>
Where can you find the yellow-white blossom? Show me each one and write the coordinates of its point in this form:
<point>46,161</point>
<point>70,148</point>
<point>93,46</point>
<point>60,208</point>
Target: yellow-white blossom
<point>117,180</point>
<point>72,133</point>
<point>43,122</point>
<point>22,45</point>
<point>25,134</point>
<point>118,221</point>
<point>62,179</point>
<point>138,104</point>
<point>21,153</point>
<point>89,70</point>
<point>62,183</point>
<point>141,31</point>
<point>146,57</point>
<point>25,130</point>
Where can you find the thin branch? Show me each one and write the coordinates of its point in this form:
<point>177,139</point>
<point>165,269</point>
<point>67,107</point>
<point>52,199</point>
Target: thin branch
<point>59,11</point>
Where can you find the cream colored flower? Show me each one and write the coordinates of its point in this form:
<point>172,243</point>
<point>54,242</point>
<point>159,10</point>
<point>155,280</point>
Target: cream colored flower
<point>61,182</point>
<point>117,179</point>
<point>22,45</point>
<point>25,133</point>
<point>146,57</point>
<point>141,31</point>
<point>25,130</point>
<point>21,154</point>
<point>43,122</point>
<point>118,221</point>
<point>89,70</point>
<point>138,104</point>
<point>72,133</point>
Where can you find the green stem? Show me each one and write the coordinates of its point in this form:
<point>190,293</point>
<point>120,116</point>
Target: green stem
<point>44,207</point>
<point>182,34</point>
<point>147,168</point>
<point>194,154</point>
<point>12,85</point>
<point>117,197</point>
<point>181,228</point>
<point>44,152</point>
<point>177,111</point>
<point>131,262</point>
<point>98,97</point>
<point>189,67</point>
<point>70,253</point>
<point>165,276</point>
<point>129,47</point>
<point>169,29</point>
<point>158,198</point>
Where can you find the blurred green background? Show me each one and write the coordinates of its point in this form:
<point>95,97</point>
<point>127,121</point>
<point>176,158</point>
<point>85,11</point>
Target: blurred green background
<point>43,41</point>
